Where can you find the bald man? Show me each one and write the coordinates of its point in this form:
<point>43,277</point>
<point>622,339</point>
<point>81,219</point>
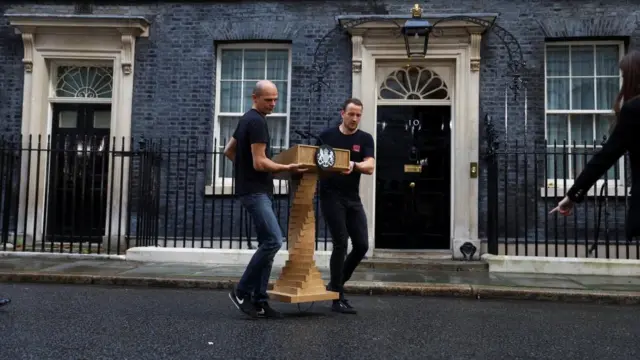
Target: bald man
<point>253,168</point>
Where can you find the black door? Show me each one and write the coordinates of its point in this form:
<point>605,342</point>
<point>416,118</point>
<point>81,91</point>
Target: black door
<point>79,167</point>
<point>412,177</point>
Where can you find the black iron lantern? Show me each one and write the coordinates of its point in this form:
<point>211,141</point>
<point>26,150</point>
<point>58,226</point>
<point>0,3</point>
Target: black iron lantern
<point>416,28</point>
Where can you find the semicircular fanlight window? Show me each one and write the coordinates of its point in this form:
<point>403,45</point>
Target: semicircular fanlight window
<point>413,83</point>
<point>84,82</point>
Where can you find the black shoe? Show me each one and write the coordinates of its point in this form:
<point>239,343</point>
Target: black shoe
<point>329,286</point>
<point>243,304</point>
<point>4,302</point>
<point>342,306</point>
<point>264,310</point>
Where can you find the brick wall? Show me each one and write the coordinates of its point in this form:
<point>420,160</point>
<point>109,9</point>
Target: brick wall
<point>11,79</point>
<point>174,74</point>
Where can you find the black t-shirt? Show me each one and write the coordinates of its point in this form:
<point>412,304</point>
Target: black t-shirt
<point>252,129</point>
<point>360,145</point>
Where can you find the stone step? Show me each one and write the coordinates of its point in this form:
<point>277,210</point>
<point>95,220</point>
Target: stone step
<point>447,265</point>
<point>412,254</point>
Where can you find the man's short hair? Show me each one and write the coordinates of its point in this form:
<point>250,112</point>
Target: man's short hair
<point>258,88</point>
<point>353,101</point>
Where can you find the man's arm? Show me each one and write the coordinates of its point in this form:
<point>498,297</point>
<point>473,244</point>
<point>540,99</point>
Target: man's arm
<point>368,165</point>
<point>258,137</point>
<point>262,163</point>
<point>230,149</point>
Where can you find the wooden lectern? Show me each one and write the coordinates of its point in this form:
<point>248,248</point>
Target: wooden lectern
<point>300,280</point>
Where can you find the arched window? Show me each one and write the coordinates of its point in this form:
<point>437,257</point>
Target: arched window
<point>413,83</point>
<point>84,82</point>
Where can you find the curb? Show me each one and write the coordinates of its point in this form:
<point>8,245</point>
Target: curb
<point>468,291</point>
<point>558,295</point>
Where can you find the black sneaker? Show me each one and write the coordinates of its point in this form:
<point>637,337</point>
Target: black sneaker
<point>243,304</point>
<point>342,306</point>
<point>4,302</point>
<point>328,287</point>
<point>264,310</point>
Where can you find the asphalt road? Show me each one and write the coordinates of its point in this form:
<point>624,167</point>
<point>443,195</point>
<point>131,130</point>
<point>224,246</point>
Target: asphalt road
<point>90,322</point>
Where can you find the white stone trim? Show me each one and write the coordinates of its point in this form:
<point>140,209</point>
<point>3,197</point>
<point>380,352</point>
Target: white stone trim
<point>73,39</point>
<point>54,255</point>
<point>562,265</point>
<point>458,44</point>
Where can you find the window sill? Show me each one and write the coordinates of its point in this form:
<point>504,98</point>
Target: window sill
<point>279,188</point>
<point>609,191</point>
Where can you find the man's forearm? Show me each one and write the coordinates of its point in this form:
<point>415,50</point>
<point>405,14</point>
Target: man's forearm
<point>230,150</point>
<point>231,155</point>
<point>365,167</point>
<point>268,165</point>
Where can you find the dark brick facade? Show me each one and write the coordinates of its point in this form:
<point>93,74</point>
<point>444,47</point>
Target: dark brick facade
<point>175,67</point>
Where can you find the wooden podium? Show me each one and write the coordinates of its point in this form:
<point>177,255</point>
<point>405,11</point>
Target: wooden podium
<point>300,280</point>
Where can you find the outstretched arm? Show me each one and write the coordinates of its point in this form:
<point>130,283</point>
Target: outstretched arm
<point>611,151</point>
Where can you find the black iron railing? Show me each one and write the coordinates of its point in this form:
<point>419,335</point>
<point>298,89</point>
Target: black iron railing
<point>99,195</point>
<point>105,195</point>
<point>526,180</point>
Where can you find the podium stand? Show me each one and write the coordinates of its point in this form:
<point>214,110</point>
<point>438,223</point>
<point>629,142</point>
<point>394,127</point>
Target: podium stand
<point>300,280</point>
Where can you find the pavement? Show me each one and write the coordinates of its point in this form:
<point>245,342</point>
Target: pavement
<point>55,322</point>
<point>25,267</point>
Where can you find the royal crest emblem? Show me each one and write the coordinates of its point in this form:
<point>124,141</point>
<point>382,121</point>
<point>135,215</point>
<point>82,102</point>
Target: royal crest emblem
<point>325,157</point>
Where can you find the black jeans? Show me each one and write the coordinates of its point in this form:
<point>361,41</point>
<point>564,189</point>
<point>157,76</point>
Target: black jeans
<point>345,218</point>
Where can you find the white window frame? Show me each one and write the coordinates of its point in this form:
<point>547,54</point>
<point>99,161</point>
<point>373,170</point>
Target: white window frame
<point>557,187</point>
<point>225,186</point>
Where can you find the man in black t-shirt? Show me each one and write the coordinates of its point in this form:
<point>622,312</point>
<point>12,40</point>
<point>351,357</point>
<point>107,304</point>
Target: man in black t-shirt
<point>248,149</point>
<point>340,199</point>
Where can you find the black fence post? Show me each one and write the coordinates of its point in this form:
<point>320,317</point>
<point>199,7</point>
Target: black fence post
<point>5,195</point>
<point>492,204</point>
<point>140,208</point>
<point>492,186</point>
<point>157,166</point>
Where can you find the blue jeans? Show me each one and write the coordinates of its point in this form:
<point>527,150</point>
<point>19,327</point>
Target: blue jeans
<point>255,279</point>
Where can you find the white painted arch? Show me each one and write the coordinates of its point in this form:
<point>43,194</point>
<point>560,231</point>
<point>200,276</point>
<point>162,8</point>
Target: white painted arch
<point>456,48</point>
